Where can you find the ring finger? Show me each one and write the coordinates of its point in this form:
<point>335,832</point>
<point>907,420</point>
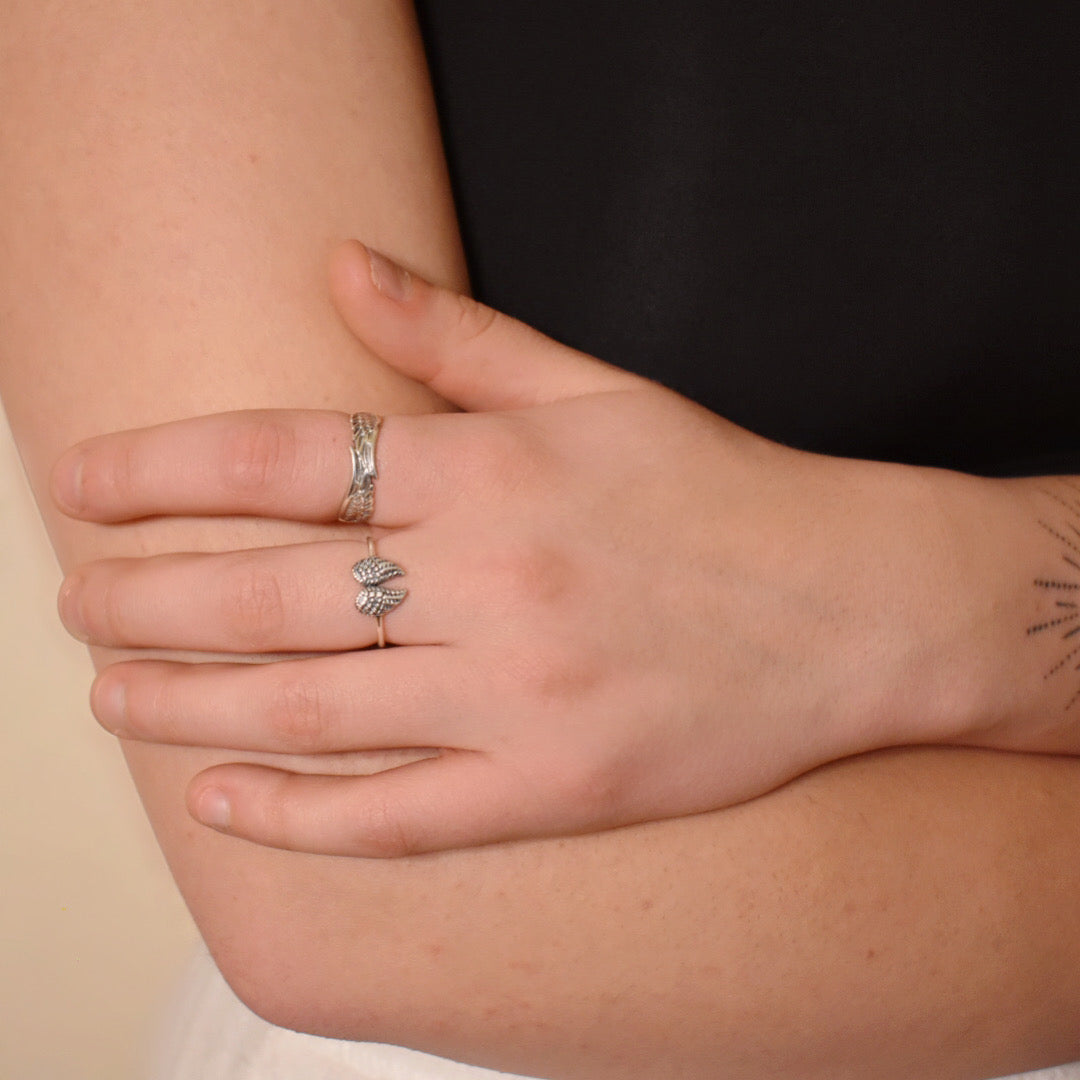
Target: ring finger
<point>293,598</point>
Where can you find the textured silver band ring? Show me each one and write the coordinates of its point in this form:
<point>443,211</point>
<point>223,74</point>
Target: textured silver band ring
<point>373,599</point>
<point>359,502</point>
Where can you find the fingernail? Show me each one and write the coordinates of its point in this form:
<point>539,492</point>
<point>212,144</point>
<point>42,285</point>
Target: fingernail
<point>213,808</point>
<point>389,278</point>
<point>70,609</point>
<point>110,705</point>
<point>68,483</point>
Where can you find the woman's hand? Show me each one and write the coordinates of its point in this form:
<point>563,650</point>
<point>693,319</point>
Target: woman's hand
<point>620,607</point>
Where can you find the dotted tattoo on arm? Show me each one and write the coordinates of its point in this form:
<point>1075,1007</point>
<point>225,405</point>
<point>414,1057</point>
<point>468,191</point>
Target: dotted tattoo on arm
<point>1061,587</point>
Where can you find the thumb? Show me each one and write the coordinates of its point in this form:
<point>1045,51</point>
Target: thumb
<point>468,353</point>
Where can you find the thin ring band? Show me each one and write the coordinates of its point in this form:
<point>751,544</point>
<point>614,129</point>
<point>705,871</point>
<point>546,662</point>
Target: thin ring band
<point>359,502</point>
<point>373,599</point>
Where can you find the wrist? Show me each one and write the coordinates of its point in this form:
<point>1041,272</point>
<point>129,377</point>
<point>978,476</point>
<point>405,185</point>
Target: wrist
<point>927,656</point>
<point>1008,676</point>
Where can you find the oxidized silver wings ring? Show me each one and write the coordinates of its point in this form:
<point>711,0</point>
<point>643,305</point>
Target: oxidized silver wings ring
<point>359,502</point>
<point>373,599</point>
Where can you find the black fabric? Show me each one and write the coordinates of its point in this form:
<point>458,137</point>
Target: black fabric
<point>848,226</point>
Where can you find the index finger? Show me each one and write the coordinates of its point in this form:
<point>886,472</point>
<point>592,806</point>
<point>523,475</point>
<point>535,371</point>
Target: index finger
<point>290,464</point>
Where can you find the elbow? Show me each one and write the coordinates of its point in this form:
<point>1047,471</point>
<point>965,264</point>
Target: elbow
<point>287,972</point>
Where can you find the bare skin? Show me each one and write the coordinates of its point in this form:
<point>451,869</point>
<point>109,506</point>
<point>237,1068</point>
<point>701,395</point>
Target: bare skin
<point>578,663</point>
<point>170,187</point>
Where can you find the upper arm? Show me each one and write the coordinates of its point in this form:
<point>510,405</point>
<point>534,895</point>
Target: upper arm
<point>172,180</point>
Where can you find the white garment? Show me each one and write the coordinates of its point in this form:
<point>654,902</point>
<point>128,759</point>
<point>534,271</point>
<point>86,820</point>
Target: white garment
<point>1060,1072</point>
<point>211,1035</point>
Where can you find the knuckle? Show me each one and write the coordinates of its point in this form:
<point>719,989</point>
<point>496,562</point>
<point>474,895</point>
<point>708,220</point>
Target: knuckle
<point>533,574</point>
<point>504,456</point>
<point>472,320</point>
<point>110,477</point>
<point>300,719</point>
<point>598,788</point>
<point>556,676</point>
<point>105,608</point>
<point>259,455</point>
<point>383,833</point>
<point>143,714</point>
<point>253,605</point>
<point>272,805</point>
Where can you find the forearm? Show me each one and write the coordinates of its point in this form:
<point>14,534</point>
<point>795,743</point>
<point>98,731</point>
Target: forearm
<point>165,231</point>
<point>898,915</point>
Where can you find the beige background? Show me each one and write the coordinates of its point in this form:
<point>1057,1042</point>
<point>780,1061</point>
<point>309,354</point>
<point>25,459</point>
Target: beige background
<point>92,931</point>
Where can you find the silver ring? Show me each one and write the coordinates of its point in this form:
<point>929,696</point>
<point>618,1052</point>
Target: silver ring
<point>373,599</point>
<point>359,502</point>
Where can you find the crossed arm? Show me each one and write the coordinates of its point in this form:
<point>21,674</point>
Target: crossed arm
<point>172,183</point>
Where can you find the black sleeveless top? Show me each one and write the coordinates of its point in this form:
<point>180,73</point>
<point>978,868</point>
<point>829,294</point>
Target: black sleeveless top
<point>849,226</point>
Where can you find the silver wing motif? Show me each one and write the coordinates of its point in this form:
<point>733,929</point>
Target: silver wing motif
<point>374,570</point>
<point>377,602</point>
<point>372,599</point>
